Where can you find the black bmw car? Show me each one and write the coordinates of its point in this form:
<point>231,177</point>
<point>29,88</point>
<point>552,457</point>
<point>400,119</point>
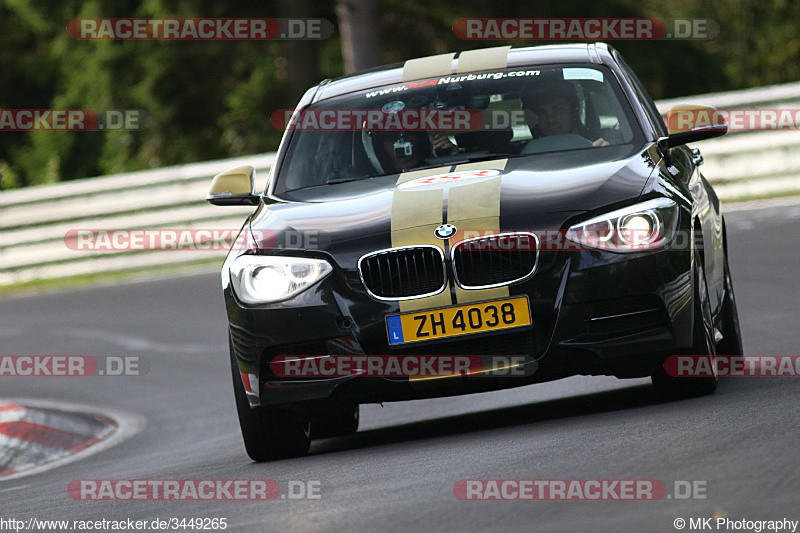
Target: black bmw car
<point>526,210</point>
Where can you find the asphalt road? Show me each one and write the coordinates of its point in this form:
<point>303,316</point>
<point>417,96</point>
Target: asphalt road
<point>397,473</point>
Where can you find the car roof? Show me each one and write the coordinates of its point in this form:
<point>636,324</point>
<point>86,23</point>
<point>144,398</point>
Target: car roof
<point>458,63</point>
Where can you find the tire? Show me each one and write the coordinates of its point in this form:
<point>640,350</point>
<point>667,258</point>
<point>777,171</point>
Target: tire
<point>343,421</point>
<point>268,433</point>
<point>731,343</point>
<point>674,388</point>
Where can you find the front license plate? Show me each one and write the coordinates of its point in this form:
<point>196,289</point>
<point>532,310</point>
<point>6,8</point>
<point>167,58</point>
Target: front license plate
<point>458,320</point>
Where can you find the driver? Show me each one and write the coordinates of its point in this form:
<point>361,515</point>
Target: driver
<point>555,104</point>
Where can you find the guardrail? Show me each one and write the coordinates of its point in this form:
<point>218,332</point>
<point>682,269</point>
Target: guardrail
<point>750,164</point>
<point>34,221</point>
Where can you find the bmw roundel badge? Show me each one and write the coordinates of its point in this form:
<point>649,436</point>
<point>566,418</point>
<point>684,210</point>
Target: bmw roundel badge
<point>445,231</point>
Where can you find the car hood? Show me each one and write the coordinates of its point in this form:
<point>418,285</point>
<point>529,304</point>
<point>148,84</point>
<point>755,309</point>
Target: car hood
<point>527,193</point>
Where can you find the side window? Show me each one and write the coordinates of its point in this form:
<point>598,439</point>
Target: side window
<point>320,158</point>
<point>612,124</point>
<point>647,102</point>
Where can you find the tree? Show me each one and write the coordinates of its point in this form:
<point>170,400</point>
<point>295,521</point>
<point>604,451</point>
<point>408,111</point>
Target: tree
<point>358,24</point>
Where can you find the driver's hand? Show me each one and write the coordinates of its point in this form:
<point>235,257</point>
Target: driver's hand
<point>600,142</point>
<point>443,146</point>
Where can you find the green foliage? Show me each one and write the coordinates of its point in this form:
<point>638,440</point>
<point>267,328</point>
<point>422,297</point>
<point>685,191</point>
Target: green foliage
<point>214,99</point>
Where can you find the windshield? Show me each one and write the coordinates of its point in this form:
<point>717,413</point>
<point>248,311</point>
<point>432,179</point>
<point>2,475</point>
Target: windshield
<point>466,117</point>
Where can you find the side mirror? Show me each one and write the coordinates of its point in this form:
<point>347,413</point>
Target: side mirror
<point>234,187</point>
<point>687,124</point>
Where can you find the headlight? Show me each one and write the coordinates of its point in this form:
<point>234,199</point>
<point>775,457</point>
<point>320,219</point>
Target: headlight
<point>261,279</point>
<point>644,226</point>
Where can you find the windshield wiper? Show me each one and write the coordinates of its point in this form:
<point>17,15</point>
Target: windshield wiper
<point>464,158</point>
<point>491,156</point>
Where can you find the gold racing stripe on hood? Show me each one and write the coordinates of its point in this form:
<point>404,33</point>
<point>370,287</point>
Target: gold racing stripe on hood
<point>475,210</point>
<point>415,215</point>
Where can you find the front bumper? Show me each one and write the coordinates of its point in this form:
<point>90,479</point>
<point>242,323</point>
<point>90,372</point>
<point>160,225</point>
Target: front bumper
<point>594,313</point>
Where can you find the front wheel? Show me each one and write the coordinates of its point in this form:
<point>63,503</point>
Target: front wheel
<point>703,344</point>
<point>731,343</point>
<point>268,433</point>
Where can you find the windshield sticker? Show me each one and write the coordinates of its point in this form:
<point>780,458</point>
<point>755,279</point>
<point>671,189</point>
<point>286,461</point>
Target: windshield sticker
<point>394,106</point>
<point>453,79</point>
